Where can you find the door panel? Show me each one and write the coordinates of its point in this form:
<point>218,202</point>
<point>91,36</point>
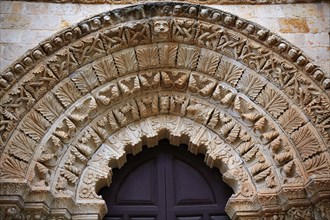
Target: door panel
<point>190,218</point>
<point>220,218</point>
<point>141,192</point>
<point>142,218</point>
<point>166,183</point>
<point>190,187</point>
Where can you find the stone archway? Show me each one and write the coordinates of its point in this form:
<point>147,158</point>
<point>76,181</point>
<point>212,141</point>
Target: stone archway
<point>255,105</point>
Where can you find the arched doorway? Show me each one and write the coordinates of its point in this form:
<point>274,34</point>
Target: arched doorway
<point>73,108</point>
<point>166,182</point>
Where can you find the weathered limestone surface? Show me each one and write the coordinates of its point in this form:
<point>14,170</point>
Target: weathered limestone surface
<point>255,105</point>
<point>205,2</point>
<point>25,24</point>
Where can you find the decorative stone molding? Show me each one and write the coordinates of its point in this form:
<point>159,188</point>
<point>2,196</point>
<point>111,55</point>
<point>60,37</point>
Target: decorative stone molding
<point>253,104</point>
<point>206,2</point>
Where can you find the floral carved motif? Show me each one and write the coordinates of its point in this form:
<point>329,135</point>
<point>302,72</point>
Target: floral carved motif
<point>75,106</point>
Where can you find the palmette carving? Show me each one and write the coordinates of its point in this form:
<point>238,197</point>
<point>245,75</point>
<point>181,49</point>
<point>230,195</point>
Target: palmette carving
<point>76,160</point>
<point>71,175</point>
<point>22,147</point>
<point>85,80</point>
<point>126,61</point>
<point>318,165</point>
<point>218,119</point>
<point>49,108</point>
<point>230,131</point>
<point>12,168</point>
<point>90,138</point>
<point>272,101</point>
<point>167,54</point>
<point>306,142</point>
<point>187,57</point>
<point>147,56</point>
<point>245,109</point>
<point>35,125</point>
<point>67,93</point>
<point>51,152</point>
<point>291,120</point>
<point>228,72</point>
<point>260,171</point>
<point>208,62</point>
<point>250,85</point>
<point>105,69</point>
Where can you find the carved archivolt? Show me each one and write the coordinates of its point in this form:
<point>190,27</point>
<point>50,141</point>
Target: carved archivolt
<point>75,106</point>
<point>208,2</point>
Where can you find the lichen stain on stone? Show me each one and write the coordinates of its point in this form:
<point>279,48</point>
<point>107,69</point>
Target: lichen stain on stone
<point>293,25</point>
<point>64,24</point>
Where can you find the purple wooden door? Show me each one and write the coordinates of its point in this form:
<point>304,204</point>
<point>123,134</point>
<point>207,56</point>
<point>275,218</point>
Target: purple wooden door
<point>166,183</point>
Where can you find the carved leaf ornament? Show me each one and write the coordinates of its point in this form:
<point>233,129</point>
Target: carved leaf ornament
<point>76,105</point>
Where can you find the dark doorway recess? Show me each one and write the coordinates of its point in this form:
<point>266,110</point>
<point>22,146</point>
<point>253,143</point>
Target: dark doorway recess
<point>166,183</point>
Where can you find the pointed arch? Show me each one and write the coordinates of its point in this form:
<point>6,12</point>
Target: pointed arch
<point>254,104</point>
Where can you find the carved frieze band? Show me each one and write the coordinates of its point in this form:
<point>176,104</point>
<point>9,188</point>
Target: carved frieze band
<point>210,31</point>
<point>206,2</point>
